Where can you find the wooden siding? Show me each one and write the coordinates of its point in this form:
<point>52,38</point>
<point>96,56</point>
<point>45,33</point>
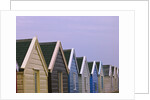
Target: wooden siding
<point>35,63</point>
<point>59,66</point>
<point>73,69</point>
<point>20,88</point>
<point>81,80</point>
<point>94,81</point>
<point>101,90</point>
<point>107,86</point>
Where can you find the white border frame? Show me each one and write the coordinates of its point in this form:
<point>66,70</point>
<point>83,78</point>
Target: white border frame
<point>126,40</point>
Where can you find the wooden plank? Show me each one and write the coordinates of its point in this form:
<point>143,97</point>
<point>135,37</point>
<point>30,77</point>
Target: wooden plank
<point>35,56</point>
<point>20,91</point>
<point>29,82</point>
<point>36,62</point>
<point>29,87</point>
<point>42,77</point>
<point>29,91</point>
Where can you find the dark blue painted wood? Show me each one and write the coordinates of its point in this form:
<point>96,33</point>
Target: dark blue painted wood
<point>73,70</point>
<point>94,82</point>
<point>91,84</point>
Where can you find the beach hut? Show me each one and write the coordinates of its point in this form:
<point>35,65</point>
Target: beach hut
<point>57,66</point>
<point>107,78</point>
<point>93,77</point>
<point>113,78</point>
<point>116,83</point>
<point>73,83</point>
<point>100,77</point>
<point>117,79</point>
<point>32,73</point>
<point>84,75</point>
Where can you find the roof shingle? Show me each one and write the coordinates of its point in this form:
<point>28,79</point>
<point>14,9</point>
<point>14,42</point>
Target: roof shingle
<point>48,49</point>
<point>67,54</point>
<point>79,61</point>
<point>22,47</point>
<point>90,65</point>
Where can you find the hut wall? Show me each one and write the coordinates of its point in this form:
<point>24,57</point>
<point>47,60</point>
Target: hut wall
<point>59,66</point>
<point>87,75</point>
<point>80,83</point>
<point>73,71</point>
<point>29,72</point>
<point>101,84</point>
<point>93,82</point>
<point>20,88</point>
<point>107,86</point>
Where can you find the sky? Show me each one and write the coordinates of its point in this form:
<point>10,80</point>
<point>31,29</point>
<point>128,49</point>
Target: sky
<point>96,37</point>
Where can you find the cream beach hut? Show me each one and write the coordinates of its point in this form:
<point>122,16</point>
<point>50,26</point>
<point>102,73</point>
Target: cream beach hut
<point>84,75</point>
<point>107,78</point>
<point>100,77</point>
<point>33,73</point>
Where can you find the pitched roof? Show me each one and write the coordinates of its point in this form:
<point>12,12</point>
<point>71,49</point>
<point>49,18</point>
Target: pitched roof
<point>97,64</point>
<point>67,55</point>
<point>90,65</point>
<point>22,47</point>
<point>79,61</point>
<point>48,49</point>
<point>112,70</point>
<point>106,70</point>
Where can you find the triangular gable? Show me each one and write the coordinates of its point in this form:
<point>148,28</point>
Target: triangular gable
<point>112,70</point>
<point>90,66</point>
<point>26,54</point>
<point>93,67</point>
<point>79,61</point>
<point>100,67</point>
<point>84,62</point>
<point>115,71</point>
<point>51,54</point>
<point>69,54</point>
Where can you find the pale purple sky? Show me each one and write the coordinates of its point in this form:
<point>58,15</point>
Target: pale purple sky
<point>96,37</point>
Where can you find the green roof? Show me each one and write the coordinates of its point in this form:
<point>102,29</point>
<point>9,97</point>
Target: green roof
<point>112,70</point>
<point>22,47</point>
<point>97,64</point>
<point>67,54</point>
<point>79,61</point>
<point>106,70</point>
<point>47,50</point>
<point>90,65</point>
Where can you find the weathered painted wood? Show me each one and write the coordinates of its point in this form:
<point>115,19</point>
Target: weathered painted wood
<point>85,73</point>
<point>20,88</point>
<point>59,66</point>
<point>94,79</point>
<point>100,77</point>
<point>34,63</point>
<point>73,71</point>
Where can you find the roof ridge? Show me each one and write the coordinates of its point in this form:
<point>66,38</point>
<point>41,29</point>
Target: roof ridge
<point>43,43</point>
<point>23,40</point>
<point>67,50</point>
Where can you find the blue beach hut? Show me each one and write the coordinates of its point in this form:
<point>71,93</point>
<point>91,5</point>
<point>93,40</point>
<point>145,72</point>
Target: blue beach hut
<point>93,77</point>
<point>73,84</point>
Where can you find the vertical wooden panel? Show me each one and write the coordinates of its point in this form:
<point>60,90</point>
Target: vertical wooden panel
<point>59,66</point>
